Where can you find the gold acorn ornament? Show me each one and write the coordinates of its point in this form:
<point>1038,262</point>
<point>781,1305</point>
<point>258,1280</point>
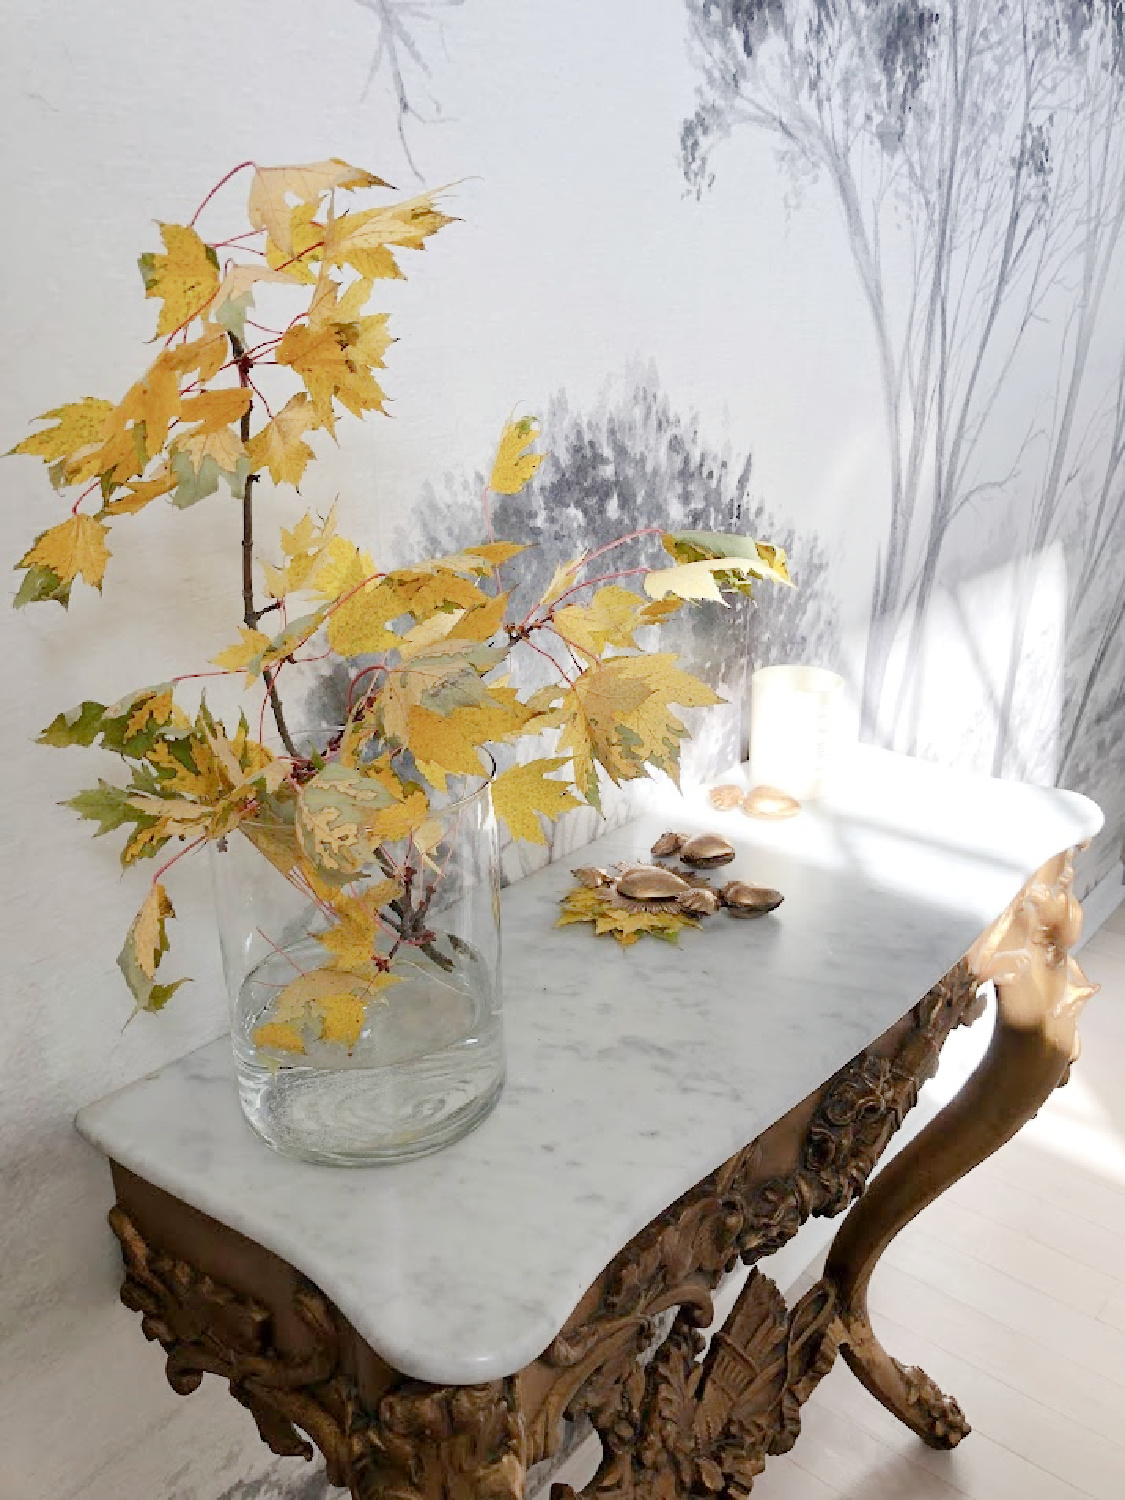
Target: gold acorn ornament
<point>744,900</point>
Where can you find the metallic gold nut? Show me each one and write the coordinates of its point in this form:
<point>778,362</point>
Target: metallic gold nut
<point>699,903</point>
<point>769,802</point>
<point>667,843</point>
<point>707,850</point>
<point>651,882</point>
<point>744,900</point>
<point>590,875</point>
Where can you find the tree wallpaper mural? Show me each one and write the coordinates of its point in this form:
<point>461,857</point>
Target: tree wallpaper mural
<point>980,149</point>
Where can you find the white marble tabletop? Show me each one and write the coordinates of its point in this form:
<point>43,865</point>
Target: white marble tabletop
<point>632,1073</point>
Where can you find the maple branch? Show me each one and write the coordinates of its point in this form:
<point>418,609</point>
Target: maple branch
<point>222,182</point>
<point>169,863</point>
<point>620,541</point>
<point>250,614</point>
<point>591,583</point>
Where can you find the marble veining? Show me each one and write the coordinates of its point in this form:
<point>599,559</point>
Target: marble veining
<point>632,1073</point>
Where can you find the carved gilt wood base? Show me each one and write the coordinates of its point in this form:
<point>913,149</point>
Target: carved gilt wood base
<point>672,1424</point>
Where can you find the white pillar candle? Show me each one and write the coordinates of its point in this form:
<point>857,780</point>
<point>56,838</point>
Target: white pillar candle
<point>795,728</point>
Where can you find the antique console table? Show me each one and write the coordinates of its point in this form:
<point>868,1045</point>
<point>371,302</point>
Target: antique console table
<point>668,1113</point>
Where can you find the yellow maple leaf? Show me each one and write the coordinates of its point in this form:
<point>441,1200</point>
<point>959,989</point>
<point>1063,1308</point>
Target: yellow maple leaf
<point>190,455</point>
<point>481,623</point>
<point>214,410</point>
<point>75,548</point>
<point>79,427</point>
<point>618,714</point>
<point>304,547</point>
<point>522,792</point>
<point>581,904</point>
<point>155,401</point>
<point>364,240</point>
<point>141,492</point>
<point>351,938</point>
<point>357,626</point>
<point>272,187</point>
<point>281,1035</point>
<point>441,741</point>
<point>155,707</point>
<point>206,355</point>
<point>145,945</point>
<point>609,619</point>
<point>246,656</point>
<point>185,279</point>
<point>149,937</point>
<point>514,465</point>
<point>343,1018</point>
<point>279,446</point>
<point>306,242</point>
<point>321,360</point>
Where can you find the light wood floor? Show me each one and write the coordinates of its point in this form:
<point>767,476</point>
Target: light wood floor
<point>1010,1292</point>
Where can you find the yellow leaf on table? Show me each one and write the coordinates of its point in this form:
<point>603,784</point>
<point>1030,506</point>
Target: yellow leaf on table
<point>514,465</point>
<point>185,279</point>
<point>581,904</point>
<point>522,792</point>
<point>79,425</point>
<point>75,548</point>
<point>272,187</point>
<point>279,446</point>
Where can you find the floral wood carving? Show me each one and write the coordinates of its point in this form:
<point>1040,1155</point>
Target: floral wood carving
<point>733,1214</point>
<point>706,1427</point>
<point>421,1443</point>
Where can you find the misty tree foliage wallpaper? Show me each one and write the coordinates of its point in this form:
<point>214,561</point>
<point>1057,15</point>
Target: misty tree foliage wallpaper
<point>976,157</point>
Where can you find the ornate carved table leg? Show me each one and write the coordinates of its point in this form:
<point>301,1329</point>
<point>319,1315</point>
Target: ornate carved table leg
<point>1040,993</point>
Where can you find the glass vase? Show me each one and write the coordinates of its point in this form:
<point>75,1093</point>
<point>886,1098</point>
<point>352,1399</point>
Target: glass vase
<point>405,1054</point>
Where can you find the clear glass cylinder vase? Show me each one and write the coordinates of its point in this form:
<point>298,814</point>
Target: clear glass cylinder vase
<point>370,1038</point>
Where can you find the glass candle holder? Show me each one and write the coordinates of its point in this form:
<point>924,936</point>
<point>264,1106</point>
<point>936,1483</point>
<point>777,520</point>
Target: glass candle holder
<point>796,724</point>
<point>401,1056</point>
